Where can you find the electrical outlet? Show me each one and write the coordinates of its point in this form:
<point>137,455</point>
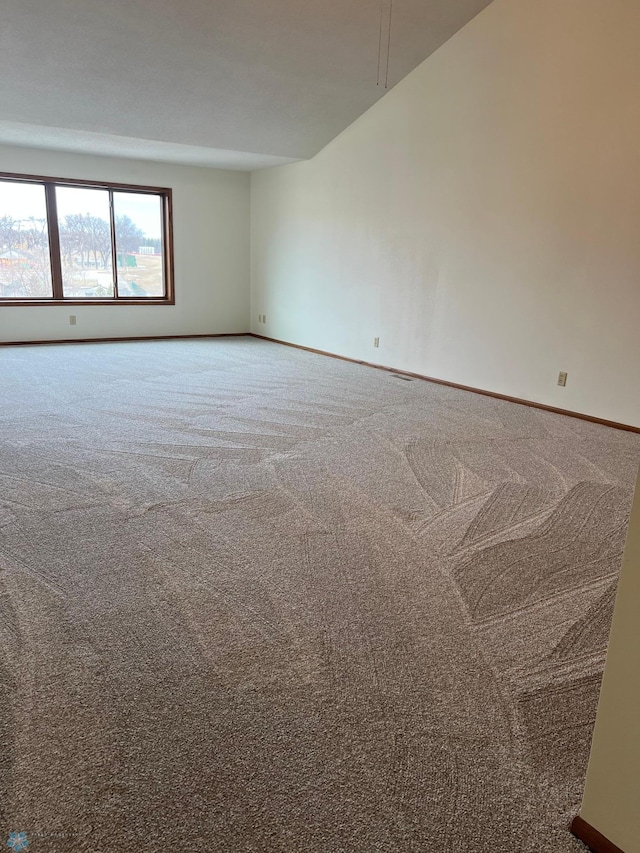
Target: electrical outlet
<point>72,319</point>
<point>264,318</point>
<point>376,342</point>
<point>259,318</point>
<point>562,378</point>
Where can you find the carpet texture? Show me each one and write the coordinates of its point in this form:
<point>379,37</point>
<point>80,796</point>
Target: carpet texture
<point>255,599</point>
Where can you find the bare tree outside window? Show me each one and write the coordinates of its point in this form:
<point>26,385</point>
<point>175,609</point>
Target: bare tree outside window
<point>138,221</point>
<point>84,242</point>
<point>25,270</point>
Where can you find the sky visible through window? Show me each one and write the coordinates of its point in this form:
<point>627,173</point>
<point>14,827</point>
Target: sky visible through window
<point>25,269</point>
<point>86,242</point>
<point>17,201</point>
<point>138,208</point>
<point>20,200</point>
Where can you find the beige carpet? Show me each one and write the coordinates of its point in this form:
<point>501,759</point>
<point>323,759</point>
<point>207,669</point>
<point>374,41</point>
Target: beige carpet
<point>254,599</point>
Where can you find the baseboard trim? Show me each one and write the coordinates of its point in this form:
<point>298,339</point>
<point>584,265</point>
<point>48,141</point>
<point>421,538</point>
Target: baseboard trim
<point>530,403</point>
<point>120,340</point>
<point>595,841</point>
<point>518,400</point>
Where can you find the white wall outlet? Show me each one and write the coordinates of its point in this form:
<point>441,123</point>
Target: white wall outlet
<point>264,318</point>
<point>562,378</point>
<point>72,319</point>
<point>376,342</point>
<point>259,318</point>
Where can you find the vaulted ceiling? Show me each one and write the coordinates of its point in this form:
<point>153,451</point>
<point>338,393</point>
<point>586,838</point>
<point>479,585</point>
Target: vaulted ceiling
<point>235,83</point>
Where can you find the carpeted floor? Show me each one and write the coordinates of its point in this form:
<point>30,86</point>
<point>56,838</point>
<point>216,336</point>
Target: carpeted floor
<point>254,599</point>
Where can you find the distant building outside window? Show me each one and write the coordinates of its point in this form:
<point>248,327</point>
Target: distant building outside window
<point>83,241</point>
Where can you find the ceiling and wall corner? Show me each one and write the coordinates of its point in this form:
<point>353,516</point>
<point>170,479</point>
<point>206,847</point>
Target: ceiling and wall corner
<point>481,221</point>
<point>238,84</point>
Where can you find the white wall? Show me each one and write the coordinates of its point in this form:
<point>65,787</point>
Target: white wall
<point>211,245</point>
<point>483,219</point>
<point>612,791</point>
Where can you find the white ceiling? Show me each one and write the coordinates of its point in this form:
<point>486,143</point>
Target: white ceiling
<point>233,83</point>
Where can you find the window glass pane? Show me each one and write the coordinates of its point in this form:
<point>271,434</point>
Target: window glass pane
<point>25,269</point>
<point>139,247</point>
<point>85,242</point>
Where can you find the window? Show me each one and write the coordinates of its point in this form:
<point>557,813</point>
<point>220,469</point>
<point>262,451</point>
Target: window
<point>84,242</point>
